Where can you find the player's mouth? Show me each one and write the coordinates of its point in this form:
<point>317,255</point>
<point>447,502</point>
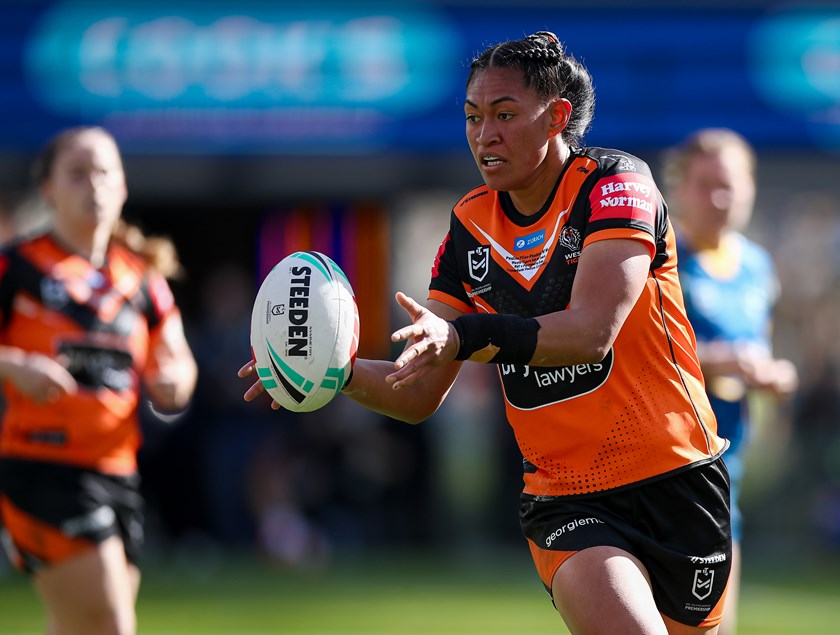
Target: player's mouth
<point>492,161</point>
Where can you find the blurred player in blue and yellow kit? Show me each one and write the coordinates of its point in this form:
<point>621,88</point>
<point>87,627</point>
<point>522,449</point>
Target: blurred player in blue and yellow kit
<point>730,288</point>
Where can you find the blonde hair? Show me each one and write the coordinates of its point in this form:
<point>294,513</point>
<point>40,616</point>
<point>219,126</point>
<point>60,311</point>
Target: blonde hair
<point>158,252</point>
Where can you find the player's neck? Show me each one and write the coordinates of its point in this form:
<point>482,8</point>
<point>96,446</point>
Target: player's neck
<point>707,241</point>
<point>92,246</point>
<point>723,258</point>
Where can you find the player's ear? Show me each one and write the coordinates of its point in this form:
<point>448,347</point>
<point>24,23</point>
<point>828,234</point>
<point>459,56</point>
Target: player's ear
<point>561,112</point>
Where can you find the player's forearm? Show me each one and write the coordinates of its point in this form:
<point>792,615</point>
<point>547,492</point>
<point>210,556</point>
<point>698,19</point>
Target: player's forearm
<point>411,404</point>
<point>11,360</point>
<point>172,386</point>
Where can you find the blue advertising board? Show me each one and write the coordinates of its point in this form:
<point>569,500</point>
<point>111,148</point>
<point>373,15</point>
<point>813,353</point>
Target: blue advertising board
<point>336,78</point>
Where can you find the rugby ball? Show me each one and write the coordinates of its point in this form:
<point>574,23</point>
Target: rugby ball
<point>304,331</point>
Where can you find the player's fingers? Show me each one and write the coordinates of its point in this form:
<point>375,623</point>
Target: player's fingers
<point>254,391</point>
<point>65,384</point>
<point>247,369</point>
<point>408,303</point>
<point>407,333</point>
<point>409,364</point>
<point>414,374</point>
<point>409,355</point>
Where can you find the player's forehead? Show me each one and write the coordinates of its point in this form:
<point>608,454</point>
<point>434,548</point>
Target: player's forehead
<point>88,148</point>
<point>728,162</point>
<point>492,85</point>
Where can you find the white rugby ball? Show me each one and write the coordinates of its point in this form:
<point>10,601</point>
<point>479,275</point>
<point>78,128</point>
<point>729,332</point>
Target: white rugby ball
<point>304,331</point>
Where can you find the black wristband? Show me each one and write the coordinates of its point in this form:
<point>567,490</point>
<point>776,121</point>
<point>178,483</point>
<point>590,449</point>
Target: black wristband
<point>513,339</point>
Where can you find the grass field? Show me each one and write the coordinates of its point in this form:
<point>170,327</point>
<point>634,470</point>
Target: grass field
<point>403,596</point>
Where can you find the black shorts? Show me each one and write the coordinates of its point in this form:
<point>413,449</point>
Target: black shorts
<point>52,512</point>
<point>678,526</point>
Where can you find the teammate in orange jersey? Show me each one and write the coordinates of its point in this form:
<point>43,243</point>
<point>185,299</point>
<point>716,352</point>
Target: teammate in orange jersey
<point>730,288</point>
<point>561,270</point>
<point>87,322</point>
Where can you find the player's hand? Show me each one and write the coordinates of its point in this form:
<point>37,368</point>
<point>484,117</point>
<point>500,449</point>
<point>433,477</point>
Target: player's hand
<point>167,388</point>
<point>430,342</point>
<point>784,378</point>
<point>256,388</point>
<point>43,379</point>
<point>760,370</point>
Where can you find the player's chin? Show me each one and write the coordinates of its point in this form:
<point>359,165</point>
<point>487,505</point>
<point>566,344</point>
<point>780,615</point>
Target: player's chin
<point>496,181</point>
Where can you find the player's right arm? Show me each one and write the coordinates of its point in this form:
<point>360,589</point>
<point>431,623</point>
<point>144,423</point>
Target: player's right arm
<point>372,384</point>
<point>37,376</point>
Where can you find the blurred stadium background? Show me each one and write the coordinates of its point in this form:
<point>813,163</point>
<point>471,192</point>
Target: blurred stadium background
<point>255,128</point>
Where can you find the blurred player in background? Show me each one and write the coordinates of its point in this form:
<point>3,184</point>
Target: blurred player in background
<point>88,323</point>
<point>561,270</point>
<point>730,286</point>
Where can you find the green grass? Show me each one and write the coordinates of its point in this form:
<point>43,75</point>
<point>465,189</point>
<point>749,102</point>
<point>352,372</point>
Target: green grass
<point>402,596</point>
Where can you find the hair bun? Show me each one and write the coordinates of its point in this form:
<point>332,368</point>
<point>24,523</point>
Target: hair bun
<point>547,35</point>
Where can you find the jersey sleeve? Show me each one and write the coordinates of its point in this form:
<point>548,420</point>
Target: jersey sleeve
<point>446,285</point>
<point>625,203</point>
<point>160,301</point>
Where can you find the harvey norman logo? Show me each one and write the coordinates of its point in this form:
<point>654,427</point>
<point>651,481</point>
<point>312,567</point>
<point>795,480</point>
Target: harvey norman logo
<point>627,194</point>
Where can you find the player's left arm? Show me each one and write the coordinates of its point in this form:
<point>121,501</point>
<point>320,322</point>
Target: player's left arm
<point>171,372</point>
<point>610,278</point>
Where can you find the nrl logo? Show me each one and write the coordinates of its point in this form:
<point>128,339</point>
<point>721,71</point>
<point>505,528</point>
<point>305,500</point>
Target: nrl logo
<point>273,309</point>
<point>479,262</point>
<point>703,579</point>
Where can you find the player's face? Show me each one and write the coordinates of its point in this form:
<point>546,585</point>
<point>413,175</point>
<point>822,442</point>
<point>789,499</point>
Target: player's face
<point>86,186</point>
<point>718,191</point>
<point>509,130</point>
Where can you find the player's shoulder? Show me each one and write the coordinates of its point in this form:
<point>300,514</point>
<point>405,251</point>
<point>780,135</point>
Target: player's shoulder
<point>613,160</point>
<point>33,239</point>
<point>28,246</point>
<point>474,196</point>
<point>122,257</point>
<point>755,253</point>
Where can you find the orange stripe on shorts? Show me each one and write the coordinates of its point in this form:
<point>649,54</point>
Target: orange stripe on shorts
<point>35,537</point>
<point>548,561</point>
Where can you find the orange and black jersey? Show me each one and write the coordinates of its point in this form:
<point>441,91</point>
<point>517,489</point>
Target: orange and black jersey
<point>642,411</point>
<point>102,324</point>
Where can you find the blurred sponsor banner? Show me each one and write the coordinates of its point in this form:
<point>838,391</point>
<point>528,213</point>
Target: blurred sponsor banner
<point>355,78</point>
